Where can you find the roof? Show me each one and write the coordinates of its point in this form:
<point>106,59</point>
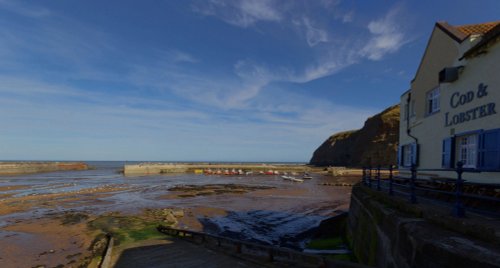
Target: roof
<point>481,28</point>
<point>490,36</point>
<point>461,32</point>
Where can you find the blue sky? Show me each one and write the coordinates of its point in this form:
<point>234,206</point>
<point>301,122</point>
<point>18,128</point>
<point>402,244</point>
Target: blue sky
<point>219,80</point>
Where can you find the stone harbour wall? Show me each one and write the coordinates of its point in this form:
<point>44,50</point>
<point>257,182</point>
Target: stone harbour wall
<point>14,168</point>
<point>165,168</point>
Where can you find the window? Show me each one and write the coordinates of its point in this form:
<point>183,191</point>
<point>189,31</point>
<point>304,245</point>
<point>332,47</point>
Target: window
<point>467,150</point>
<point>407,155</point>
<point>479,150</point>
<point>409,110</point>
<point>433,101</point>
<point>489,150</point>
<point>448,153</point>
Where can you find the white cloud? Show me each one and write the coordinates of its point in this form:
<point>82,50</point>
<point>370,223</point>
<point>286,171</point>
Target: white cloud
<point>348,17</point>
<point>242,13</point>
<point>248,102</point>
<point>178,56</point>
<point>314,35</point>
<point>24,10</point>
<point>386,36</point>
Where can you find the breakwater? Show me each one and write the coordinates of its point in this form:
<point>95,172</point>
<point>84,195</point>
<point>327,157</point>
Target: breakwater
<point>15,168</point>
<point>162,168</point>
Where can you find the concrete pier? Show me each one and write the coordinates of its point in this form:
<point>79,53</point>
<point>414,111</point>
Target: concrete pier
<point>163,168</point>
<point>15,168</point>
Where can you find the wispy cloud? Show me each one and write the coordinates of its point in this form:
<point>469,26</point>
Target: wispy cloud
<point>24,10</point>
<point>387,36</point>
<point>242,13</point>
<point>314,35</point>
<point>337,50</point>
<point>178,56</point>
<point>50,69</point>
<point>348,17</point>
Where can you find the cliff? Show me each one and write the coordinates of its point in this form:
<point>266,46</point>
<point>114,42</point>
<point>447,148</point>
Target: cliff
<point>14,168</point>
<point>374,144</point>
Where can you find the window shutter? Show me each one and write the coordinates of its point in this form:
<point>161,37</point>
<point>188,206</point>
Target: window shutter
<point>400,156</point>
<point>414,154</point>
<point>489,150</point>
<point>448,152</point>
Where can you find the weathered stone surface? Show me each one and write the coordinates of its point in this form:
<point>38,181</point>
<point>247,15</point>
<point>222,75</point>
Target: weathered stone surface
<point>374,144</point>
<point>383,235</point>
<point>13,168</point>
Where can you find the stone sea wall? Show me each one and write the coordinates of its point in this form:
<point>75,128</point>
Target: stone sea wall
<point>165,168</point>
<point>385,232</point>
<point>14,168</point>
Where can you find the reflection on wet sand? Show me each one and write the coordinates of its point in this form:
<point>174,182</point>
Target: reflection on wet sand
<point>57,212</point>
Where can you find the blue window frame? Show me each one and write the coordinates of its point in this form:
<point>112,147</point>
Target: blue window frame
<point>408,155</point>
<point>489,150</point>
<point>448,153</point>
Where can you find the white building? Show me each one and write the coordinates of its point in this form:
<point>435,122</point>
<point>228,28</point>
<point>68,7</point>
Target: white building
<point>451,112</point>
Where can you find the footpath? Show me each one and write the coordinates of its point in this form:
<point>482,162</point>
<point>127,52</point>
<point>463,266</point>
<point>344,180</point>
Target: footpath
<point>176,253</point>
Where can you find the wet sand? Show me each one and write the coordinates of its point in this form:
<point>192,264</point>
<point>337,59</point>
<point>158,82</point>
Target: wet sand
<point>34,209</point>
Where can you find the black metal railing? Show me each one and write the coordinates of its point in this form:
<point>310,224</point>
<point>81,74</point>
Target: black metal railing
<point>415,188</point>
<point>255,251</point>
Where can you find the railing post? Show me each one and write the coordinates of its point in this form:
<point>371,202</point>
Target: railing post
<point>413,198</point>
<point>378,178</point>
<point>390,181</point>
<point>363,175</point>
<point>370,176</point>
<point>459,210</point>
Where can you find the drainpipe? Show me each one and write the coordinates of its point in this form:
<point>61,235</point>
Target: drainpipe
<point>408,130</point>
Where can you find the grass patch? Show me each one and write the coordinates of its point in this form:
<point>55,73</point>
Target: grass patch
<point>332,243</point>
<point>71,218</point>
<point>326,243</point>
<point>125,229</point>
<point>148,232</point>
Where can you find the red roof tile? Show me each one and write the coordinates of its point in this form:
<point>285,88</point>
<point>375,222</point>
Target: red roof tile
<point>460,33</point>
<point>481,28</point>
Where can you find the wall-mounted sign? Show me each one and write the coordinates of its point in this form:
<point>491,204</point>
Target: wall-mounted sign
<point>457,99</point>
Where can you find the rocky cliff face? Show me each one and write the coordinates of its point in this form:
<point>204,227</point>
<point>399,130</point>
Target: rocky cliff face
<point>374,144</point>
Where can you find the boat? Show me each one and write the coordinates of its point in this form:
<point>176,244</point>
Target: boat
<point>289,178</point>
<point>306,176</point>
<point>269,172</point>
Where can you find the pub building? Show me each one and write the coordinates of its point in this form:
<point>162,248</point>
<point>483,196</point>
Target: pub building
<point>451,112</point>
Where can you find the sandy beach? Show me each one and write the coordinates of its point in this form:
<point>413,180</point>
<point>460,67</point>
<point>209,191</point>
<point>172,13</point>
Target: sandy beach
<point>58,219</point>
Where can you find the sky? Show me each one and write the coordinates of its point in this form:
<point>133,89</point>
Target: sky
<point>214,80</point>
